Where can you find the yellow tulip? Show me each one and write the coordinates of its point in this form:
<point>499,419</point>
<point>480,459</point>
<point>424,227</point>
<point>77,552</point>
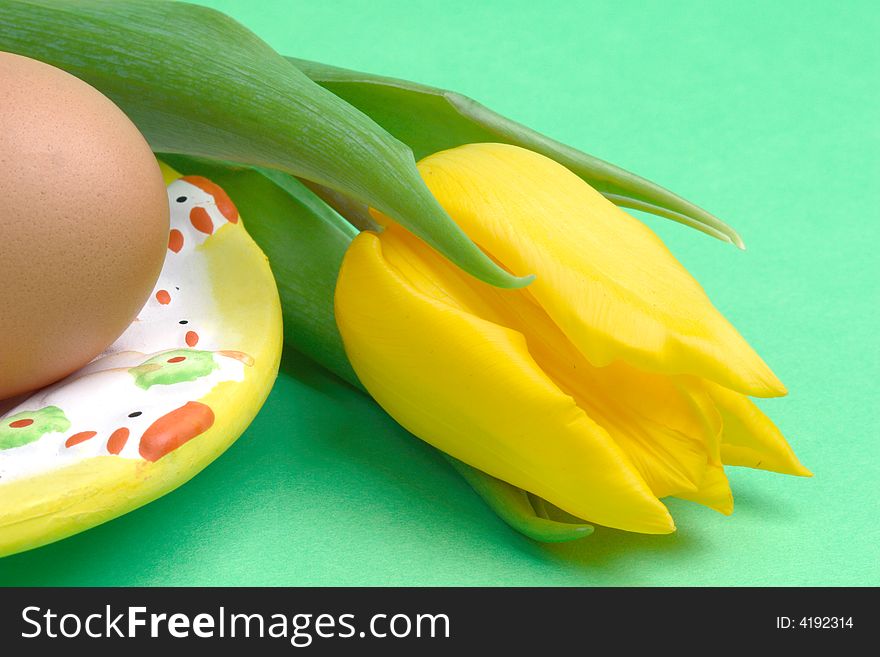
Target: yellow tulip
<point>608,383</point>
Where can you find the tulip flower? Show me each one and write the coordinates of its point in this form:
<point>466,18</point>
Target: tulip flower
<point>608,383</point>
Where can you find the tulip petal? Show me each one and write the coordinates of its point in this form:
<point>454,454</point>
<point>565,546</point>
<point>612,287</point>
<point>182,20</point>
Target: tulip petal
<point>605,278</point>
<point>750,438</point>
<point>714,491</point>
<point>669,430</point>
<point>667,426</point>
<point>470,387</point>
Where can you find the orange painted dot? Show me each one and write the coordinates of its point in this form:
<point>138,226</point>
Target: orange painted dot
<point>174,429</point>
<point>221,198</point>
<point>201,220</point>
<point>175,240</point>
<point>163,297</point>
<point>21,424</point>
<point>117,440</point>
<point>80,437</point>
<point>192,338</point>
<point>176,359</point>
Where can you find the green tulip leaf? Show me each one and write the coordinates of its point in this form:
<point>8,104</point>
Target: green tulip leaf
<point>428,120</point>
<point>195,81</point>
<point>523,511</point>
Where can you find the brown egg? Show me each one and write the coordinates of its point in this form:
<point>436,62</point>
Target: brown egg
<point>83,223</point>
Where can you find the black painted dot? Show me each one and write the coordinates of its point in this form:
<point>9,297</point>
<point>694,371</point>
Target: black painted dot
<point>135,414</point>
<point>183,321</point>
<point>181,199</point>
<point>177,288</point>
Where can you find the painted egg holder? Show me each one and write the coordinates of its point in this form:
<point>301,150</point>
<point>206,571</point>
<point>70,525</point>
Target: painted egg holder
<point>140,399</point>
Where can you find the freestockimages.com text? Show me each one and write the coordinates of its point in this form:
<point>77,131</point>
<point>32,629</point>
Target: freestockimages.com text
<point>300,629</point>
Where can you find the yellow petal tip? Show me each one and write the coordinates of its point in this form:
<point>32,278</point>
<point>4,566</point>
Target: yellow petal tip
<point>765,384</point>
<point>778,388</point>
<point>661,523</point>
<point>724,508</point>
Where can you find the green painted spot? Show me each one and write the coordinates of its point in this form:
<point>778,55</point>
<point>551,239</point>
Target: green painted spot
<point>29,426</point>
<point>170,367</point>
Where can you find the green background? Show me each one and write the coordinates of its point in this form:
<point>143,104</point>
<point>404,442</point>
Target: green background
<point>764,113</point>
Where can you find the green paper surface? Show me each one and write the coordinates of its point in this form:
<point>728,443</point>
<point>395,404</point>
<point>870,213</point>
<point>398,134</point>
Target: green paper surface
<point>766,114</point>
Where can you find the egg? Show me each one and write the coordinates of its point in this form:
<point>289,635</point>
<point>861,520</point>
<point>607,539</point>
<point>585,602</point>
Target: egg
<point>83,223</point>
